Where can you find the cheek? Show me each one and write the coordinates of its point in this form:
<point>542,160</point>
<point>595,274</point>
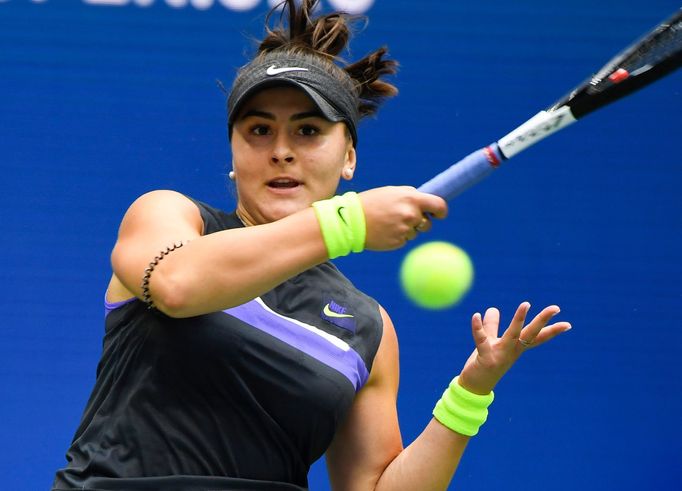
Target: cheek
<point>324,169</point>
<point>331,157</point>
<point>245,160</point>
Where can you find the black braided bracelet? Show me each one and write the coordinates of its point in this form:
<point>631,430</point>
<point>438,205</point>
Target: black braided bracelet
<point>146,295</point>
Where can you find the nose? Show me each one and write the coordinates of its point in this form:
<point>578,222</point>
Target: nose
<point>282,153</point>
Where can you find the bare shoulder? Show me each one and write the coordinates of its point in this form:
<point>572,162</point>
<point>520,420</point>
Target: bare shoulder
<point>166,204</point>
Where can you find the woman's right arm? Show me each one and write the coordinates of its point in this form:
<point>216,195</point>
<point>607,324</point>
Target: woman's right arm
<point>211,272</point>
<point>224,269</point>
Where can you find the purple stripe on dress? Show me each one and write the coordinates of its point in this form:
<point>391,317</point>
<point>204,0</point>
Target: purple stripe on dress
<point>311,340</point>
<point>109,306</point>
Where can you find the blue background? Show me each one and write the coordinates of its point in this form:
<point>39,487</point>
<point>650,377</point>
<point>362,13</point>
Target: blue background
<point>100,104</point>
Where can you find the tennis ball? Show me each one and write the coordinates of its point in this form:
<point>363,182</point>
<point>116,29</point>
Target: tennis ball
<point>436,275</point>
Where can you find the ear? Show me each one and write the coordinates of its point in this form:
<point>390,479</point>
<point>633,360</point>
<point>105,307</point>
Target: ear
<point>350,162</point>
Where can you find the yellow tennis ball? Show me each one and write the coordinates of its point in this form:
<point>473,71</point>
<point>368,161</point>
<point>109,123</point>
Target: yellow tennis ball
<point>436,275</point>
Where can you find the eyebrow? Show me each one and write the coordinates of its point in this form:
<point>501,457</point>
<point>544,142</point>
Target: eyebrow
<point>270,116</point>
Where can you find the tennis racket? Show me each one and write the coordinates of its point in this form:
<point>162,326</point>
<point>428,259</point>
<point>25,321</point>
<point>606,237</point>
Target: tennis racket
<point>655,55</point>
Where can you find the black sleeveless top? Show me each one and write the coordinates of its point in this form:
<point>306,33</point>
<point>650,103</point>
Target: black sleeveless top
<point>246,399</point>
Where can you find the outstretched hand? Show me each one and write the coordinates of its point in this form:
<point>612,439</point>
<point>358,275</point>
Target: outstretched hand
<point>495,355</point>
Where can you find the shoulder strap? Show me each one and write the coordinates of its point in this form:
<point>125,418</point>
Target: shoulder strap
<point>216,220</point>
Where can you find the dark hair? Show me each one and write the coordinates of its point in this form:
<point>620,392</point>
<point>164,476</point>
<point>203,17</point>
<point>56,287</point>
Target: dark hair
<point>300,34</point>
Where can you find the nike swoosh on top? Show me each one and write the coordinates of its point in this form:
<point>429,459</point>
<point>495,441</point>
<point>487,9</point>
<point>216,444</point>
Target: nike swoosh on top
<point>273,70</point>
<point>330,313</point>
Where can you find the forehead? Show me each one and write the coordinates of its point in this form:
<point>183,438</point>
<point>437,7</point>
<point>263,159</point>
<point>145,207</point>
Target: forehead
<point>279,99</point>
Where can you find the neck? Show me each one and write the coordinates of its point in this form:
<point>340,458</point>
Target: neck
<point>243,218</point>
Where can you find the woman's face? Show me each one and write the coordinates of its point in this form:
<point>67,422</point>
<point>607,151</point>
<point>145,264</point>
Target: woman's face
<point>286,155</point>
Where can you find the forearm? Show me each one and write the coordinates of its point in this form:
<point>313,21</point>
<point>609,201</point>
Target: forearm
<point>228,268</point>
<point>428,463</point>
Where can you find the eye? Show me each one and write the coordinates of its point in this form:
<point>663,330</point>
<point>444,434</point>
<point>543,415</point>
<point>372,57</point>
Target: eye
<point>259,130</point>
<point>308,130</point>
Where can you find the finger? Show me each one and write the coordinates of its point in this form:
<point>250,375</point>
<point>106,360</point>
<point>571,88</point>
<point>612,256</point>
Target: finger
<point>530,332</point>
<point>433,205</point>
<point>491,322</point>
<point>478,332</point>
<point>424,225</point>
<point>511,335</point>
<point>550,332</point>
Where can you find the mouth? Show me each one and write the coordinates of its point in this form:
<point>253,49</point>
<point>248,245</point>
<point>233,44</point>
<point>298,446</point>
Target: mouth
<point>283,183</point>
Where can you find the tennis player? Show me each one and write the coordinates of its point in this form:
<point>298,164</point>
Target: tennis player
<point>235,354</point>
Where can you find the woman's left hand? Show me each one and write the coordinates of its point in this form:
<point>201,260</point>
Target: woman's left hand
<point>495,355</point>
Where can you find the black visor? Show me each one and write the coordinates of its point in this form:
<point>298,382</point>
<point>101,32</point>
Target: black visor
<point>332,97</point>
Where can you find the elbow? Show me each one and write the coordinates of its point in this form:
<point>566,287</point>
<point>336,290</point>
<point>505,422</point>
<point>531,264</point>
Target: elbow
<point>170,296</point>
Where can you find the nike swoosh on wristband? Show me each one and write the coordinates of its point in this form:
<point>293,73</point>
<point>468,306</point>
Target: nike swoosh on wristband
<point>330,313</point>
<point>340,211</point>
<point>273,70</point>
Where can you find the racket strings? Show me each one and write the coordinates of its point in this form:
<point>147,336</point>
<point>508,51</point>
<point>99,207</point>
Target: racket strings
<point>661,47</point>
<point>664,44</point>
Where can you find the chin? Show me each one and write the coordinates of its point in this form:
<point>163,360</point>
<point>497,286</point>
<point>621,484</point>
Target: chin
<point>283,210</point>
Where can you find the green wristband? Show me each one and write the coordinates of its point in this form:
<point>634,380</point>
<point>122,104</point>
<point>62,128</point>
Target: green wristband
<point>342,223</point>
<point>462,411</point>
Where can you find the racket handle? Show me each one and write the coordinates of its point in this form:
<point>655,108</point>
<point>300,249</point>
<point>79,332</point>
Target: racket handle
<point>460,176</point>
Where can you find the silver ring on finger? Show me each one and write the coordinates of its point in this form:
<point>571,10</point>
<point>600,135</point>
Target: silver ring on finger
<point>422,225</point>
<point>525,344</point>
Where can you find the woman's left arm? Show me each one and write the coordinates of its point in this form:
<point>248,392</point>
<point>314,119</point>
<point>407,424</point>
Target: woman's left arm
<point>367,452</point>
